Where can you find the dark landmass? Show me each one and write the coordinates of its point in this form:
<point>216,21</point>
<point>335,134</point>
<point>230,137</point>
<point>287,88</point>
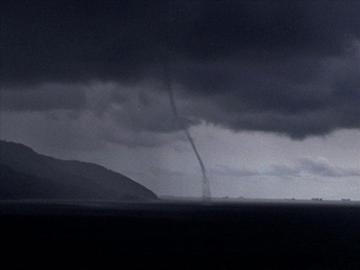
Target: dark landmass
<point>247,235</point>
<point>25,174</point>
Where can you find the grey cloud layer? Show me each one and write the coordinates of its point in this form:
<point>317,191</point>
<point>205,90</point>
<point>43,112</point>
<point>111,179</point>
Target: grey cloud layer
<point>290,68</point>
<point>43,97</point>
<point>304,167</point>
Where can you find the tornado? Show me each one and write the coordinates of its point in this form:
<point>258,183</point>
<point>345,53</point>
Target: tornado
<point>206,193</point>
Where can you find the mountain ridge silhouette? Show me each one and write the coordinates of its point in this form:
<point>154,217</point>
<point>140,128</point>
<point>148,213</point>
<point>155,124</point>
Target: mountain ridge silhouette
<point>26,174</point>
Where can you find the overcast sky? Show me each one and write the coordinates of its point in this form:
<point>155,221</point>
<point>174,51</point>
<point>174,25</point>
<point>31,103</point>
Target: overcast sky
<point>270,91</point>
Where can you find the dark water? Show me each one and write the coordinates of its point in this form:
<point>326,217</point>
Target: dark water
<point>247,235</point>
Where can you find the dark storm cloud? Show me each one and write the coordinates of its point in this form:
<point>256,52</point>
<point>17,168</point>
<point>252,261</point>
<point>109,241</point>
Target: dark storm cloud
<point>63,40</point>
<point>286,67</point>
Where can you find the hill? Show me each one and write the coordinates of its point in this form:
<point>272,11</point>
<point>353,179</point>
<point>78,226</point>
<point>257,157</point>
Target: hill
<point>25,174</point>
